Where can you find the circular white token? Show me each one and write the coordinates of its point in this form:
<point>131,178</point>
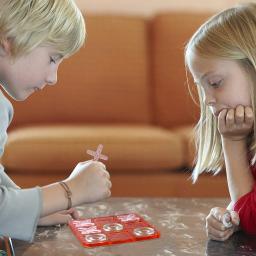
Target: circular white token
<point>113,227</point>
<point>227,224</point>
<point>143,231</point>
<point>93,238</point>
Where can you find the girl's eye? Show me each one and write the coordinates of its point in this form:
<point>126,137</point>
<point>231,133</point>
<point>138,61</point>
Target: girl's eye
<point>215,84</point>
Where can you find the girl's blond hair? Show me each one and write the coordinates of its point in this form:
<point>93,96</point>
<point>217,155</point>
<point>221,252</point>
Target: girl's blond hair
<point>231,34</point>
<point>28,24</point>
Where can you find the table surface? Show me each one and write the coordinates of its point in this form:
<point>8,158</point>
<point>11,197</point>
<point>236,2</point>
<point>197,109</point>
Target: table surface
<point>181,223</point>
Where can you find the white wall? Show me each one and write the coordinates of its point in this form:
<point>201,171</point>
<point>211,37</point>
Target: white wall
<point>149,7</point>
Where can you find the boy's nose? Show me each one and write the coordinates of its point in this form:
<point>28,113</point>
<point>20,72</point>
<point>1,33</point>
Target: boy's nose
<point>52,80</point>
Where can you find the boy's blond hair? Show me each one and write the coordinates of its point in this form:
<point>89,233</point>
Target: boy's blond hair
<point>28,24</point>
<point>231,34</point>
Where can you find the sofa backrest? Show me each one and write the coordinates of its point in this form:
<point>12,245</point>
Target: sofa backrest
<point>131,70</point>
<point>173,104</point>
<point>107,81</point>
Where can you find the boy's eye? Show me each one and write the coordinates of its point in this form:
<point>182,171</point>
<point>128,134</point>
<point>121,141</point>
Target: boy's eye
<point>52,60</point>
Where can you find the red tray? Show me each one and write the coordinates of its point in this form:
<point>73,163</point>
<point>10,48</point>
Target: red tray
<point>109,230</point>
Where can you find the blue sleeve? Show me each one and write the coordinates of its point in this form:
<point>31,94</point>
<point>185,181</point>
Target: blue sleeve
<point>5,179</point>
<point>19,208</point>
<point>20,212</point>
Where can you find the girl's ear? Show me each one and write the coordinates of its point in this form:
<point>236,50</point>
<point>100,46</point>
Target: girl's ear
<point>5,48</point>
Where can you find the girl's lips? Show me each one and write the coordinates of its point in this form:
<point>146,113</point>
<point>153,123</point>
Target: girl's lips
<point>217,112</point>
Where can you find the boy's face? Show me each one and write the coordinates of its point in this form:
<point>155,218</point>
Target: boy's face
<point>30,73</point>
<point>225,84</point>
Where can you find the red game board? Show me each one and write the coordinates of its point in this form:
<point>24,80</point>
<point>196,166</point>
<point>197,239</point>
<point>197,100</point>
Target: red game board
<point>112,230</point>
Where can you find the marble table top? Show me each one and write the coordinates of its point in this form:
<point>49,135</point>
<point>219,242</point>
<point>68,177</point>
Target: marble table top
<point>180,221</point>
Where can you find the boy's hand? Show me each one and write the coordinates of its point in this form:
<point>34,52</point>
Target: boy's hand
<point>235,124</point>
<point>62,217</point>
<point>216,225</point>
<point>89,182</point>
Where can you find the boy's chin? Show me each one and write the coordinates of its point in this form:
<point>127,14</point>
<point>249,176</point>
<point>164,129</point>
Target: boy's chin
<point>19,96</point>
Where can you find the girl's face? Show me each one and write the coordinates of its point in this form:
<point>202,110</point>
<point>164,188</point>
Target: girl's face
<point>27,74</point>
<point>225,84</point>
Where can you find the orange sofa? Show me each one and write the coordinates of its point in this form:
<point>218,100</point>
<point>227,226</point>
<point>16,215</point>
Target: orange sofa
<point>127,90</point>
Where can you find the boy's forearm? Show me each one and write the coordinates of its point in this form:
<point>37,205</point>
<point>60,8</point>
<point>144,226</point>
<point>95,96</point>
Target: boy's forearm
<point>239,176</point>
<point>54,199</point>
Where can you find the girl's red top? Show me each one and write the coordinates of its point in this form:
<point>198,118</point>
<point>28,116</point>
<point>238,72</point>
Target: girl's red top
<point>246,208</point>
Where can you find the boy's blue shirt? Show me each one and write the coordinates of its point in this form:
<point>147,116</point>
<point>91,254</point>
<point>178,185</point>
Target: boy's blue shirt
<point>19,208</point>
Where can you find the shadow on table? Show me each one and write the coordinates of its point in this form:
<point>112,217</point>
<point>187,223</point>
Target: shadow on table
<point>238,244</point>
<point>43,235</point>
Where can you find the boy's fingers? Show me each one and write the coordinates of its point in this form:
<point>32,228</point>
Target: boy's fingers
<point>74,214</point>
<point>63,219</point>
<point>109,184</point>
<point>100,164</point>
<point>106,174</point>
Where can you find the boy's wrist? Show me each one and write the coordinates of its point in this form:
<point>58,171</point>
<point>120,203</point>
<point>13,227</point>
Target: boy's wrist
<point>68,193</point>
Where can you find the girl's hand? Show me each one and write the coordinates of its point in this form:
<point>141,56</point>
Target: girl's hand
<point>235,124</point>
<point>89,182</point>
<point>62,217</point>
<point>217,223</point>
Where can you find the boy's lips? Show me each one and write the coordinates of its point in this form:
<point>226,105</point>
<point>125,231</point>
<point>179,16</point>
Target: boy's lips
<point>38,88</point>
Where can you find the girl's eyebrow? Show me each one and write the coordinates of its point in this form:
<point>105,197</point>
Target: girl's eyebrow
<point>203,77</point>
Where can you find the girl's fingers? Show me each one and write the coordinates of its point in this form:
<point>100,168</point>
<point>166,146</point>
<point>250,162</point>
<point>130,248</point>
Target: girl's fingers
<point>223,237</point>
<point>248,115</point>
<point>235,218</point>
<point>217,213</point>
<point>214,223</point>
<point>220,235</point>
<point>230,118</point>
<point>222,119</point>
<point>239,115</point>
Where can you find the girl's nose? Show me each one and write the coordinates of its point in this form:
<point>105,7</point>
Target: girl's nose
<point>209,99</point>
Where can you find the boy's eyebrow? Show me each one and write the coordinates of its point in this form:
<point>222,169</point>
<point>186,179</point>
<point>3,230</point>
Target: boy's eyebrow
<point>58,56</point>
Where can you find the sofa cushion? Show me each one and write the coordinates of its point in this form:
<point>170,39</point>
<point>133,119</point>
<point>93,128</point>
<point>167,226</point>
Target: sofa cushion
<point>186,134</point>
<point>170,32</point>
<point>107,81</point>
<point>57,149</point>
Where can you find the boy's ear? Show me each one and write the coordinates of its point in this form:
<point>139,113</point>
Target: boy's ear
<point>5,47</point>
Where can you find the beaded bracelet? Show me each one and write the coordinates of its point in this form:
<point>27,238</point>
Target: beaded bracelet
<point>68,193</point>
